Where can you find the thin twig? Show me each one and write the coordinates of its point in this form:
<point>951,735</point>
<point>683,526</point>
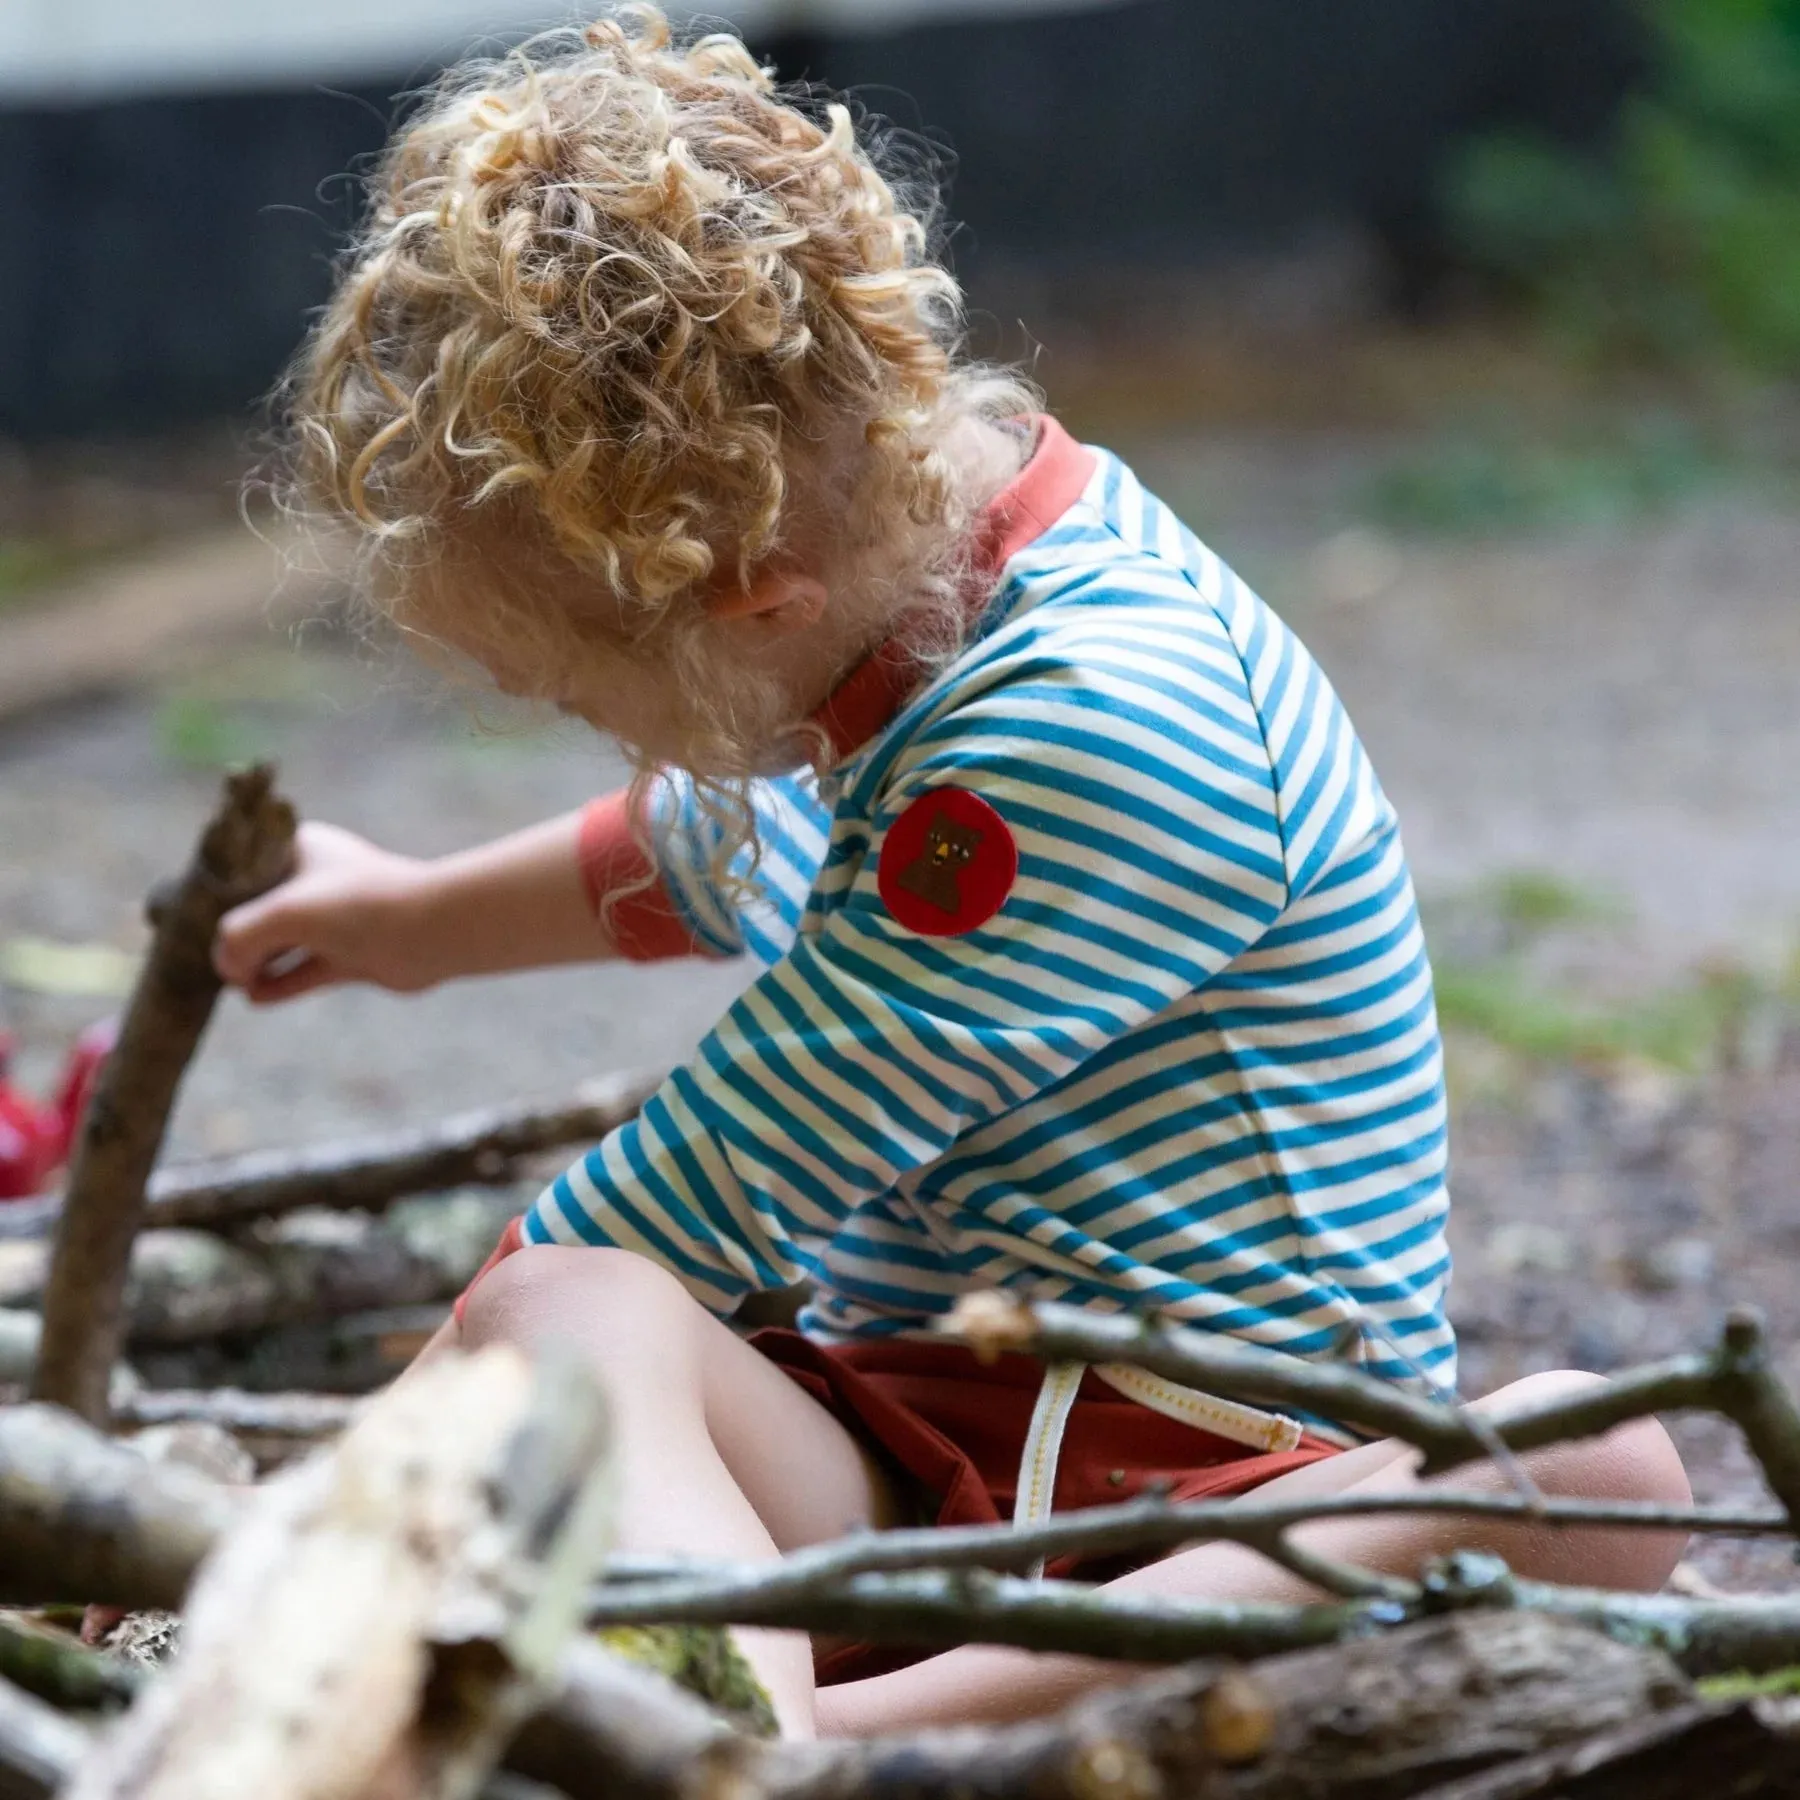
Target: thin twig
<point>1762,1407</point>
<point>265,1415</point>
<point>665,1588</point>
<point>1733,1380</point>
<point>1330,1575</point>
<point>935,1607</point>
<point>1149,1525</point>
<point>1500,1453</point>
<point>971,1605</point>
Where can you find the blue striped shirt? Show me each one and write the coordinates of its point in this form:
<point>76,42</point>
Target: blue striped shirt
<point>1191,1064</point>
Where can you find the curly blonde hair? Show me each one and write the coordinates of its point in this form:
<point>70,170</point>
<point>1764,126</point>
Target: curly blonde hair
<point>622,303</point>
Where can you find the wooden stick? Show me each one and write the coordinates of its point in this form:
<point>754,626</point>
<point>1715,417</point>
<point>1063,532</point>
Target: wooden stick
<point>1756,1632</point>
<point>380,1622</point>
<point>85,1519</point>
<point>367,1174</point>
<point>246,848</point>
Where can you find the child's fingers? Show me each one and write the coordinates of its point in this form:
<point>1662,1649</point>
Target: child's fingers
<point>287,979</point>
<point>249,936</point>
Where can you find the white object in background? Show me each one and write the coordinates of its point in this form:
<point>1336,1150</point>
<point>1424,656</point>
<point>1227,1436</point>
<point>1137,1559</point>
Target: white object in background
<point>68,51</point>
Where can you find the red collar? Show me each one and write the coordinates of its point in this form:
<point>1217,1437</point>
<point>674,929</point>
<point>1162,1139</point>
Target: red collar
<point>1048,485</point>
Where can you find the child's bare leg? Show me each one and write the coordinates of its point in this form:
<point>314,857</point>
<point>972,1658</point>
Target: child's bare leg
<point>1634,1462</point>
<point>721,1455</point>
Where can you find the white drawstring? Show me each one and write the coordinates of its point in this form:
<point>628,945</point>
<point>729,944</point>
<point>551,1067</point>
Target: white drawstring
<point>1056,1397</point>
<point>1043,1447</point>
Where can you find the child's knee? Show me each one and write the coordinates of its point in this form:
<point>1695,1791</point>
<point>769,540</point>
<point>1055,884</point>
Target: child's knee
<point>535,1287</point>
<point>1634,1463</point>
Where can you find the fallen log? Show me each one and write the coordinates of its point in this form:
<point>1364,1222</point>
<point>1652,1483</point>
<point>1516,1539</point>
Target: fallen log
<point>186,1286</point>
<point>1377,1720</point>
<point>353,1354</point>
<point>379,1622</point>
<point>1692,1752</point>
<point>83,1518</point>
<point>245,849</point>
<point>366,1174</point>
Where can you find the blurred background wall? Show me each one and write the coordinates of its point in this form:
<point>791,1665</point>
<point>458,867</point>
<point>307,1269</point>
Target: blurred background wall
<point>171,175</point>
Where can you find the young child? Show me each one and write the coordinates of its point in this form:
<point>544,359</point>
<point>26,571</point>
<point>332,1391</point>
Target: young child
<point>1091,964</point>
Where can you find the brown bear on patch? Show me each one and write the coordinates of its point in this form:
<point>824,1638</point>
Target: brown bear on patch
<point>932,874</point>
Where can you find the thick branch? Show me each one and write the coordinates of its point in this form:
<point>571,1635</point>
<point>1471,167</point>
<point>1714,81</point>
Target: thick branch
<point>1681,1754</point>
<point>352,1354</point>
<point>381,1621</point>
<point>618,1730</point>
<point>1755,1633</point>
<point>246,848</point>
<point>85,1519</point>
<point>1377,1721</point>
<point>186,1286</point>
<point>369,1173</point>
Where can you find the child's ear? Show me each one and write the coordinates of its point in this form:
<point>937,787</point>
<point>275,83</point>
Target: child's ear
<point>784,600</point>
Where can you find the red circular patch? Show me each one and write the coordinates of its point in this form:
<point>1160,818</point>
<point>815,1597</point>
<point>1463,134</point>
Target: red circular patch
<point>947,864</point>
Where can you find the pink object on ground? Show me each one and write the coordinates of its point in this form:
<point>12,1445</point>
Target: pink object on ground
<point>37,1136</point>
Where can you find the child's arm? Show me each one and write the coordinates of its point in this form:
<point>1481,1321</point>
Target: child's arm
<point>354,912</point>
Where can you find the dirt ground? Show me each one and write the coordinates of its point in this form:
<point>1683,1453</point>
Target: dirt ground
<point>1610,713</point>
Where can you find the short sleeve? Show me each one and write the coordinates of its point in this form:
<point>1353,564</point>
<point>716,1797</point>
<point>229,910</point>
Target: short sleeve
<point>666,887</point>
<point>754,900</point>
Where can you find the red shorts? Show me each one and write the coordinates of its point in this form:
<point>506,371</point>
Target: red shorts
<point>950,1432</point>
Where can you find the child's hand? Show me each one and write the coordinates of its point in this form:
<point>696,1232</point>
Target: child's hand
<point>349,912</point>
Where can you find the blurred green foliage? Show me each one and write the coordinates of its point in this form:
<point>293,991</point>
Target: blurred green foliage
<point>29,563</point>
<point>194,731</point>
<point>1492,984</point>
<point>1680,240</point>
<point>1682,1026</point>
<point>1508,480</point>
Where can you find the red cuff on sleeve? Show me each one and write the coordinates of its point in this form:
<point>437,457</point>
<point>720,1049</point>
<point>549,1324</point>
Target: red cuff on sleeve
<point>644,923</point>
<point>511,1239</point>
